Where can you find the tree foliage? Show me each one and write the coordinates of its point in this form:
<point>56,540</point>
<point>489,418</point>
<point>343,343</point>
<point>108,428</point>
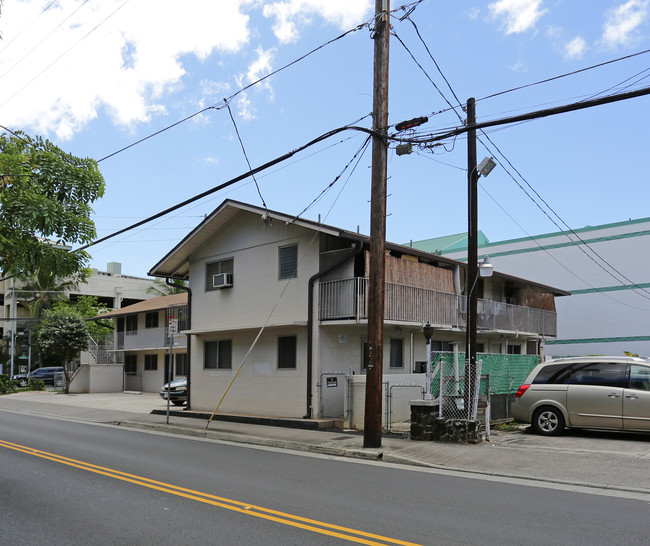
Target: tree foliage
<point>64,334</point>
<point>45,197</point>
<point>88,307</point>
<point>44,289</point>
<point>161,288</point>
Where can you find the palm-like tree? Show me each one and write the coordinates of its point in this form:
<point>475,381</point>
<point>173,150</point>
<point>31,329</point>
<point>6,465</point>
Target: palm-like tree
<point>42,290</point>
<point>161,288</point>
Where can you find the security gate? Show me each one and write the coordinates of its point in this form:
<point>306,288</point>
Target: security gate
<point>398,407</point>
<point>334,395</point>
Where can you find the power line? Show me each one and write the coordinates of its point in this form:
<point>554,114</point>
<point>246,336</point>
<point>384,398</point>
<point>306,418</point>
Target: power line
<point>564,75</point>
<point>219,106</point>
<point>67,50</point>
<point>245,154</point>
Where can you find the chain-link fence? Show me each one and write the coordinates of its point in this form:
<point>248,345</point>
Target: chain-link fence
<point>398,406</point>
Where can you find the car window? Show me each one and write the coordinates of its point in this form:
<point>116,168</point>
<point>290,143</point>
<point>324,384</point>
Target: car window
<point>640,377</point>
<point>556,374</point>
<point>604,374</point>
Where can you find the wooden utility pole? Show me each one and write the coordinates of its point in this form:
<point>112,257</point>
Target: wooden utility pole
<point>376,275</point>
<point>472,257</point>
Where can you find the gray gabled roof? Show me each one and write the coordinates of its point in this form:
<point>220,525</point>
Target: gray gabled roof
<point>176,263</point>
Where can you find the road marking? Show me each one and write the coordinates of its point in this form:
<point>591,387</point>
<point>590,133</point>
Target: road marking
<point>307,524</point>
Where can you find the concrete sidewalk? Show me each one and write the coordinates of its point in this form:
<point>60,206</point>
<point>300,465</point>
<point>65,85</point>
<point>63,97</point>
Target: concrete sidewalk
<point>594,459</point>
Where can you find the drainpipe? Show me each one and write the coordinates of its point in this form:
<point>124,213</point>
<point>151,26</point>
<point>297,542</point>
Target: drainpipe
<point>188,404</point>
<point>310,323</point>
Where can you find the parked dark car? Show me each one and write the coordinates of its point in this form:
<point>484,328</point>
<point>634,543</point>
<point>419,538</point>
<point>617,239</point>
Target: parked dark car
<point>46,375</point>
<point>177,391</point>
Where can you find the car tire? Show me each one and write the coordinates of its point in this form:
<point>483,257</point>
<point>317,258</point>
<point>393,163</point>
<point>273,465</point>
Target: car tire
<point>178,402</point>
<point>59,383</point>
<point>22,382</point>
<point>548,421</point>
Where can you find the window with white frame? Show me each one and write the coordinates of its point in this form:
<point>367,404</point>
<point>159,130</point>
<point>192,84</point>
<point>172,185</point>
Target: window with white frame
<point>217,355</point>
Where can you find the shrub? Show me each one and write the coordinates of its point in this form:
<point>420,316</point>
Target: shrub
<point>7,386</point>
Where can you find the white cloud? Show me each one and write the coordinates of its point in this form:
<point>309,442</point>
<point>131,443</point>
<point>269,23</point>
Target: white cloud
<point>575,49</point>
<point>517,15</point>
<point>622,23</point>
<point>122,56</point>
<point>291,15</point>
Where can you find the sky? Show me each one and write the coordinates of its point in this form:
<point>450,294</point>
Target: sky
<point>97,78</point>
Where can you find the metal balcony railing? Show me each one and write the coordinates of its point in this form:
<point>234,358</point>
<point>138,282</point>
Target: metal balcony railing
<point>347,300</point>
<point>149,338</point>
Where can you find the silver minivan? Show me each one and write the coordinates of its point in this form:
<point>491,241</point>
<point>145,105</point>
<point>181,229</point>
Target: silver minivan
<point>606,392</point>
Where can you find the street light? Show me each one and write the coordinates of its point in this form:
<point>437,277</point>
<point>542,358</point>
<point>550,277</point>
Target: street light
<point>427,330</point>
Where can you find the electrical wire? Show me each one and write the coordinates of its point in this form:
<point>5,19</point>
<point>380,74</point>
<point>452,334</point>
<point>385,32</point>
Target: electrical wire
<point>621,277</point>
<point>250,167</point>
<point>43,39</point>
<point>20,33</point>
<point>541,247</point>
<point>361,150</point>
<point>220,105</point>
<point>67,50</point>
<point>573,73</point>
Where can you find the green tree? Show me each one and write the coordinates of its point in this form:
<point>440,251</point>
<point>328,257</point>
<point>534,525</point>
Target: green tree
<point>161,288</point>
<point>43,290</point>
<point>88,307</point>
<point>63,334</point>
<point>45,197</point>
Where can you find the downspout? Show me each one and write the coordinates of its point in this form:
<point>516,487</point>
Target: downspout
<point>310,323</point>
<point>188,404</point>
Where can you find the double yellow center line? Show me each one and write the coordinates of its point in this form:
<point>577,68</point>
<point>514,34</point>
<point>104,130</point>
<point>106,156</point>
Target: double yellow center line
<point>307,524</point>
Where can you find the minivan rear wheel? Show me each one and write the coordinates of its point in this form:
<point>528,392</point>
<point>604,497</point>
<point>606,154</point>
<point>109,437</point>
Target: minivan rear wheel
<point>548,421</point>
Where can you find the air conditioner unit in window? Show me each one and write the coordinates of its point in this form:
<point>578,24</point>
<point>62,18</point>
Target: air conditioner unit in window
<point>222,280</point>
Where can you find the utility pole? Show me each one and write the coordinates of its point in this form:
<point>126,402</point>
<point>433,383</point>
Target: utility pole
<point>376,276</point>
<point>472,257</point>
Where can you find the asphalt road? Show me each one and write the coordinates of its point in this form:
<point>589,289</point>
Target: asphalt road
<point>73,483</point>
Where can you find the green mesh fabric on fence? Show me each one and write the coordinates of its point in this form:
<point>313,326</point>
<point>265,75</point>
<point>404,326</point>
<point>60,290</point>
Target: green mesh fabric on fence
<point>507,372</point>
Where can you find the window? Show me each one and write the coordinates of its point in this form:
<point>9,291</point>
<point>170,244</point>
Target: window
<point>287,352</point>
<point>442,346</point>
<point>288,260</point>
<point>640,377</point>
<point>131,324</point>
<point>181,364</point>
<point>150,362</point>
<point>151,320</point>
<point>130,364</point>
<point>217,355</point>
<point>514,349</point>
<point>396,353</point>
<point>604,374</point>
<point>214,268</point>
<point>554,374</point>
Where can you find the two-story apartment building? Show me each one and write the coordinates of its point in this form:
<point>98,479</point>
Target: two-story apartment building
<point>136,355</point>
<point>278,301</point>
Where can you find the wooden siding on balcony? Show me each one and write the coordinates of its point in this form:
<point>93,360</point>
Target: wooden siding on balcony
<point>347,300</point>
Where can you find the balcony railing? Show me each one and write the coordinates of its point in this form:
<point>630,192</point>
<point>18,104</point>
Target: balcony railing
<point>149,338</point>
<point>347,299</point>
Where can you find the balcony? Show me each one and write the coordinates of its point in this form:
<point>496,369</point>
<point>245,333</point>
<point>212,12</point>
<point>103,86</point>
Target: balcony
<point>149,338</point>
<point>347,300</point>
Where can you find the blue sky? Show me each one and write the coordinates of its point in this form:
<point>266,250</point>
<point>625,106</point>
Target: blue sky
<point>95,77</point>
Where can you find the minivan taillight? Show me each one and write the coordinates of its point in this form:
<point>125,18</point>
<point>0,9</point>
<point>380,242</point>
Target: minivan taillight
<point>521,390</point>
